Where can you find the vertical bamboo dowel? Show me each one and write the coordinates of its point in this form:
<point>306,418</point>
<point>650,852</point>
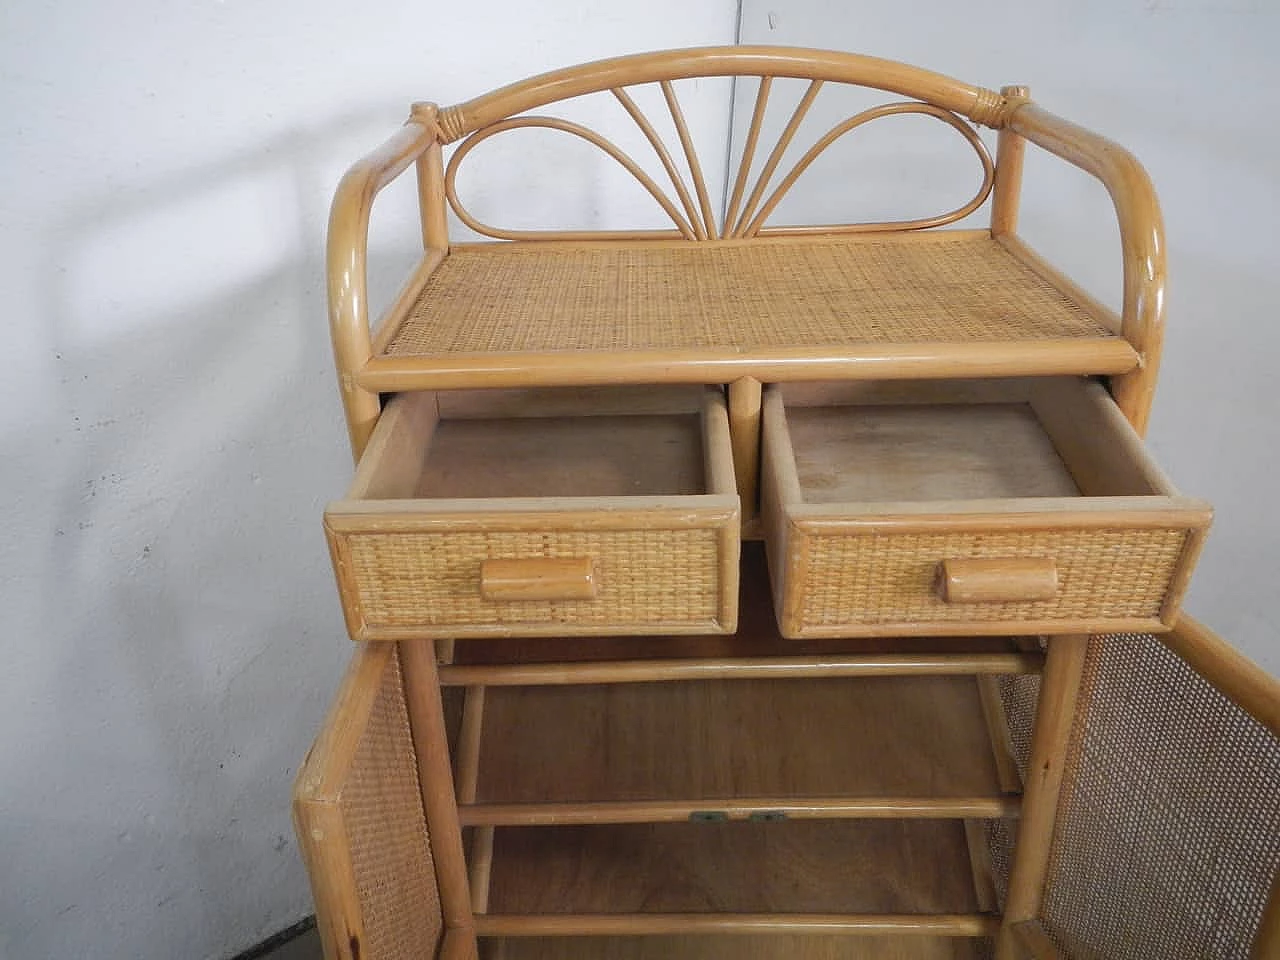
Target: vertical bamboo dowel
<point>444,650</point>
<point>984,887</point>
<point>467,771</point>
<point>744,435</point>
<point>481,866</point>
<point>998,730</point>
<point>1006,195</point>
<point>431,745</point>
<point>432,206</point>
<point>1059,692</point>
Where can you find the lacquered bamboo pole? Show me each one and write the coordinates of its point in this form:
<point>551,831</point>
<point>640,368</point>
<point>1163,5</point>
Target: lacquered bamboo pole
<point>737,808</point>
<point>984,886</point>
<point>1141,241</point>
<point>481,868</point>
<point>998,729</point>
<point>347,255</point>
<point>467,772</point>
<point>431,747</point>
<point>432,206</point>
<point>1059,692</point>
<point>834,665</point>
<point>864,361</point>
<point>659,924</point>
<point>458,945</point>
<point>744,431</point>
<point>977,103</point>
<point>1007,194</point>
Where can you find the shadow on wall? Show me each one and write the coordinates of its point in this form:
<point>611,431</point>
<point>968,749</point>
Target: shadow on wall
<point>195,638</point>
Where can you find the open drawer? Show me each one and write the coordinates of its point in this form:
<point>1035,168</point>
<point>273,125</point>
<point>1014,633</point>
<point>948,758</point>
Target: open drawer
<point>541,512</point>
<point>1009,507</point>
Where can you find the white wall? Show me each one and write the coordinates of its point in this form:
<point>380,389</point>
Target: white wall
<point>171,428</point>
<point>1192,87</point>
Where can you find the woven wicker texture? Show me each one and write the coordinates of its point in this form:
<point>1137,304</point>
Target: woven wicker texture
<point>390,851</point>
<point>1170,825</point>
<point>890,579</point>
<point>812,293</point>
<point>646,577</point>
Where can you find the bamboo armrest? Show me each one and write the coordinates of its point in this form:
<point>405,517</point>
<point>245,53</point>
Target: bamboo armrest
<point>348,245</point>
<point>1141,236</point>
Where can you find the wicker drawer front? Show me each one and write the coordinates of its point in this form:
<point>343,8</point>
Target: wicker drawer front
<point>415,566</point>
<point>1080,533</point>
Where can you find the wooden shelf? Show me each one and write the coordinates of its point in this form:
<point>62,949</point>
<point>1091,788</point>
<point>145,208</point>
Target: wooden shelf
<point>713,947</point>
<point>885,746</point>
<point>825,876</point>
<point>773,308</point>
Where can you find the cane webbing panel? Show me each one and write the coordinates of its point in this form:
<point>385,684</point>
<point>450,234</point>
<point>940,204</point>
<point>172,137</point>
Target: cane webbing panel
<point>390,851</point>
<point>1169,828</point>
<point>808,293</point>
<point>645,577</point>
<point>889,579</point>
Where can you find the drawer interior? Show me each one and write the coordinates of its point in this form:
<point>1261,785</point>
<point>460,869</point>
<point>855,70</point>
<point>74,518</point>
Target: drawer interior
<point>544,443</point>
<point>994,440</point>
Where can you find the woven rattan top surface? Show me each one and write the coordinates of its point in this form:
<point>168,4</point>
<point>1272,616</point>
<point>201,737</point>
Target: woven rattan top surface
<point>531,298</point>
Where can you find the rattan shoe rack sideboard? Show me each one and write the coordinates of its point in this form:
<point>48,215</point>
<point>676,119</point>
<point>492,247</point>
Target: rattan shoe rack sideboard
<point>699,577</point>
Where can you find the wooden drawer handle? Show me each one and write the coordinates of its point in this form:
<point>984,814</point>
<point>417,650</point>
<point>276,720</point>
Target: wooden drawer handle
<point>538,578</point>
<point>997,581</point>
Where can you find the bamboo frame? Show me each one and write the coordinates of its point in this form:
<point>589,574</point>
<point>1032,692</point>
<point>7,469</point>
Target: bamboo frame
<point>435,778</point>
<point>976,103</point>
<point>322,835</point>
<point>365,372</point>
<point>1141,240</point>
<point>489,815</point>
<point>744,434</point>
<point>1059,690</point>
<point>347,267</point>
<point>658,924</point>
<point>740,668</point>
<point>698,220</point>
<point>984,884</point>
<point>1001,740</point>
<point>1010,150</point>
<point>863,361</point>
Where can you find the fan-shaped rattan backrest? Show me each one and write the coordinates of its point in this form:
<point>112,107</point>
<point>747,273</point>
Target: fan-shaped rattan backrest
<point>751,201</point>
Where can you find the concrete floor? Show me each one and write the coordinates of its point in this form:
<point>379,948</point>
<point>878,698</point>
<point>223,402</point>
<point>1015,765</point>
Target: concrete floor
<point>304,947</point>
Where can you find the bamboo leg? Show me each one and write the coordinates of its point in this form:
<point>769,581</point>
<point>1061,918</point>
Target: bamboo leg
<point>744,433</point>
<point>431,745</point>
<point>1059,691</point>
